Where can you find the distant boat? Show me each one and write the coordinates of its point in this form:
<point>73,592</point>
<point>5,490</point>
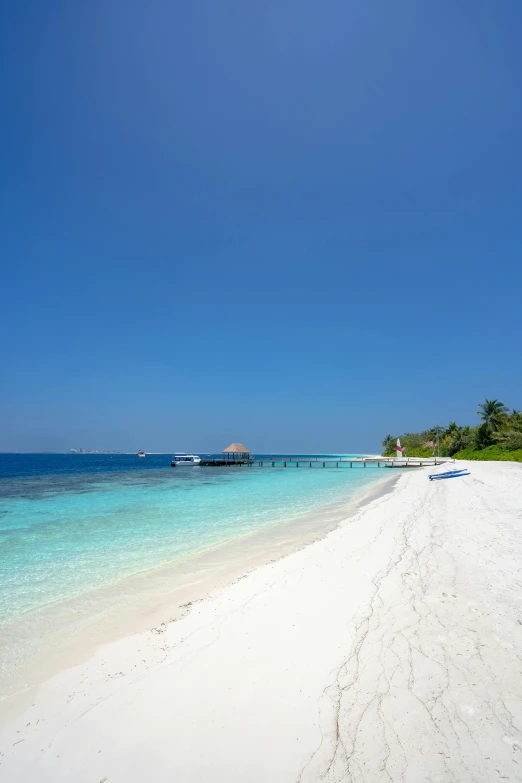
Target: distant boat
<point>141,454</point>
<point>178,460</point>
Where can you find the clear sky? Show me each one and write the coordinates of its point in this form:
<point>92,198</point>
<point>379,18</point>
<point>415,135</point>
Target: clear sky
<point>291,223</point>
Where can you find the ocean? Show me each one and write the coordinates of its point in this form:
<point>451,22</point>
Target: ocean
<point>84,534</point>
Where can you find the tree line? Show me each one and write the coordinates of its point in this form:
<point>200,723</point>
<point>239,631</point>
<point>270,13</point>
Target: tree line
<point>500,427</point>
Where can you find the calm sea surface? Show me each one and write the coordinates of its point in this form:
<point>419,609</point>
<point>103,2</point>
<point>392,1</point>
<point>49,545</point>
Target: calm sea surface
<point>73,524</point>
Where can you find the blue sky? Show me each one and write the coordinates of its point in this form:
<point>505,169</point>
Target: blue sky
<point>295,224</point>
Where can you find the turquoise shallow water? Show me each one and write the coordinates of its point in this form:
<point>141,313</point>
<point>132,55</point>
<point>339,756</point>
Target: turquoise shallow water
<point>62,534</point>
<point>77,531</point>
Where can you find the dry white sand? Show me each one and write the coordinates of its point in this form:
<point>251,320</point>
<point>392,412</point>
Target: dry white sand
<point>389,651</point>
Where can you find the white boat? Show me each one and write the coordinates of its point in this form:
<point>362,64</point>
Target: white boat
<point>141,454</point>
<point>185,459</point>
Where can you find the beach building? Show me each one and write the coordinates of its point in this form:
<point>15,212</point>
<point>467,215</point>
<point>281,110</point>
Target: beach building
<point>235,454</point>
<point>236,451</point>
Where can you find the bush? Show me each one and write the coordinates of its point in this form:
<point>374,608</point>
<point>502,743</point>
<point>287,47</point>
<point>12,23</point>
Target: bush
<point>491,453</point>
<point>419,451</point>
<point>511,440</point>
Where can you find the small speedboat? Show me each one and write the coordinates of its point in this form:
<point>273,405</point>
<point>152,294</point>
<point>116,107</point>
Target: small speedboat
<point>178,460</point>
<point>141,453</point>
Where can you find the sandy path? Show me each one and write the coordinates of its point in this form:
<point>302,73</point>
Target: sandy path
<point>389,651</point>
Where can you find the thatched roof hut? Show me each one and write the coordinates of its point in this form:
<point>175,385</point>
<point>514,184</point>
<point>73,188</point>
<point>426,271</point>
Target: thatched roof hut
<point>236,448</point>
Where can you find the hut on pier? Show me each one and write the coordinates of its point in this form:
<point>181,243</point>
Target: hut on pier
<point>236,451</point>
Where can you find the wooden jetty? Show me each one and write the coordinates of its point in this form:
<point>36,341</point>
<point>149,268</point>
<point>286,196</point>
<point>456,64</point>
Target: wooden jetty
<point>224,463</point>
<point>378,462</point>
<point>246,460</point>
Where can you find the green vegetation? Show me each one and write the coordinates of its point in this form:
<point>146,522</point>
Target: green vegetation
<point>491,452</point>
<point>498,437</point>
<point>419,452</point>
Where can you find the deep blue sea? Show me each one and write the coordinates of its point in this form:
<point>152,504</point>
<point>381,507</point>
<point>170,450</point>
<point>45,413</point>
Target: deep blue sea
<point>77,523</point>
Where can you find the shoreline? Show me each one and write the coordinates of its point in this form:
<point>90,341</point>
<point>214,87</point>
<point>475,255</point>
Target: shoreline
<point>161,594</point>
<point>390,649</point>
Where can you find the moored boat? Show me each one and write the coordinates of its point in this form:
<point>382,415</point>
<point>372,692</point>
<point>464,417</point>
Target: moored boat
<point>140,453</point>
<point>178,460</point>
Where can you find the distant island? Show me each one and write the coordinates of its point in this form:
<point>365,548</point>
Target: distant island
<point>93,451</point>
<point>498,437</point>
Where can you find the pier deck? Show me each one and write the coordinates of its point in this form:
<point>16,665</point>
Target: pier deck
<point>224,463</point>
<point>318,462</point>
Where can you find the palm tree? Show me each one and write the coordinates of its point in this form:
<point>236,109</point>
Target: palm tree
<point>437,432</point>
<point>483,437</point>
<point>516,420</point>
<point>461,440</point>
<point>388,443</point>
<point>452,428</point>
<point>493,413</point>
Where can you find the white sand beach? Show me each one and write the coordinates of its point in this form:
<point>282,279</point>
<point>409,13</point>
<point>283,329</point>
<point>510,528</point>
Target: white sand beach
<point>391,650</point>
